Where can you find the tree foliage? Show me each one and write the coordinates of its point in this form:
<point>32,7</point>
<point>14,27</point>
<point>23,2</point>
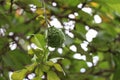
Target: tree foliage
<point>23,41</point>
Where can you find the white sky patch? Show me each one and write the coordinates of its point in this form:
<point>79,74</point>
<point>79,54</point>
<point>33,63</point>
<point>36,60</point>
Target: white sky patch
<point>54,4</point>
<point>87,28</point>
<point>43,77</point>
<point>95,59</point>
<point>33,46</point>
<point>55,22</point>
<point>17,38</point>
<point>2,32</point>
<point>89,64</point>
<point>28,47</point>
<point>87,10</point>
<point>71,16</point>
<point>79,5</point>
<point>11,33</point>
<point>97,19</point>
<point>31,76</point>
<point>91,34</point>
<point>60,50</point>
<point>82,70</point>
<point>79,56</point>
<point>51,49</point>
<point>84,45</point>
<point>10,74</point>
<point>69,33</point>
<point>76,14</point>
<point>32,7</point>
<point>69,25</point>
<point>73,48</point>
<point>13,46</point>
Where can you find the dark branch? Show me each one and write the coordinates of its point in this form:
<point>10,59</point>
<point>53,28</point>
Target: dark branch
<point>10,10</point>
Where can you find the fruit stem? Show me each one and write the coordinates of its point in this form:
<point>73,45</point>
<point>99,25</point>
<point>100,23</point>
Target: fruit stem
<point>45,15</point>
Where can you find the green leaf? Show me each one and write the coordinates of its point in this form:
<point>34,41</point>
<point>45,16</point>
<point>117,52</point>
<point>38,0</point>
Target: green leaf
<point>39,40</point>
<point>24,3</point>
<point>37,78</point>
<point>58,67</point>
<point>16,59</point>
<point>45,68</point>
<point>68,40</point>
<point>19,75</point>
<point>52,76</point>
<point>38,72</point>
<point>72,3</point>
<point>117,66</point>
<point>1,78</point>
<point>50,63</point>
<point>31,67</point>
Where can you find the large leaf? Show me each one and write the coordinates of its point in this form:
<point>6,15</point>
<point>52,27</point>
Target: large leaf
<point>19,75</point>
<point>16,59</point>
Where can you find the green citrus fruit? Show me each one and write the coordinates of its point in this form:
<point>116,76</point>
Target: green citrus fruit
<point>55,37</point>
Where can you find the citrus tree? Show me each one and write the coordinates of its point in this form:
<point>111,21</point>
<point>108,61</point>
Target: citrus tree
<point>59,40</point>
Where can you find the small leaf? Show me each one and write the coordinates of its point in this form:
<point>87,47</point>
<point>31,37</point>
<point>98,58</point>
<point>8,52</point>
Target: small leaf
<point>50,63</point>
<point>52,76</point>
<point>58,67</point>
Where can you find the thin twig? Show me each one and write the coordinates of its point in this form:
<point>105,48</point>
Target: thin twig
<point>45,15</point>
<point>32,19</point>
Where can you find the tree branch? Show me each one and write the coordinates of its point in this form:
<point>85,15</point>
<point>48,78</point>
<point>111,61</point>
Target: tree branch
<point>10,10</point>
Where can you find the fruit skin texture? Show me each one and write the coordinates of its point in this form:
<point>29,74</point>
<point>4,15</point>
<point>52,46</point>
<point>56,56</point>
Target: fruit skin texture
<point>55,37</point>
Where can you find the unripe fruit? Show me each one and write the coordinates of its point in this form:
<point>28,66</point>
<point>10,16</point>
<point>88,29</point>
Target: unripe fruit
<point>55,37</point>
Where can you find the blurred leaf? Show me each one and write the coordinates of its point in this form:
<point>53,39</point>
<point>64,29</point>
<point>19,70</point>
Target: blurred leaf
<point>77,65</point>
<point>39,40</point>
<point>16,59</point>
<point>70,2</point>
<point>25,3</point>
<point>68,40</point>
<point>52,76</point>
<point>58,67</point>
<point>19,75</point>
<point>104,65</point>
<point>101,56</point>
<point>37,78</point>
<point>117,66</point>
<point>89,57</point>
<point>31,67</point>
<point>39,73</point>
<point>101,42</point>
<point>1,78</point>
<point>45,68</point>
<point>50,63</point>
<point>109,29</point>
<point>4,19</point>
